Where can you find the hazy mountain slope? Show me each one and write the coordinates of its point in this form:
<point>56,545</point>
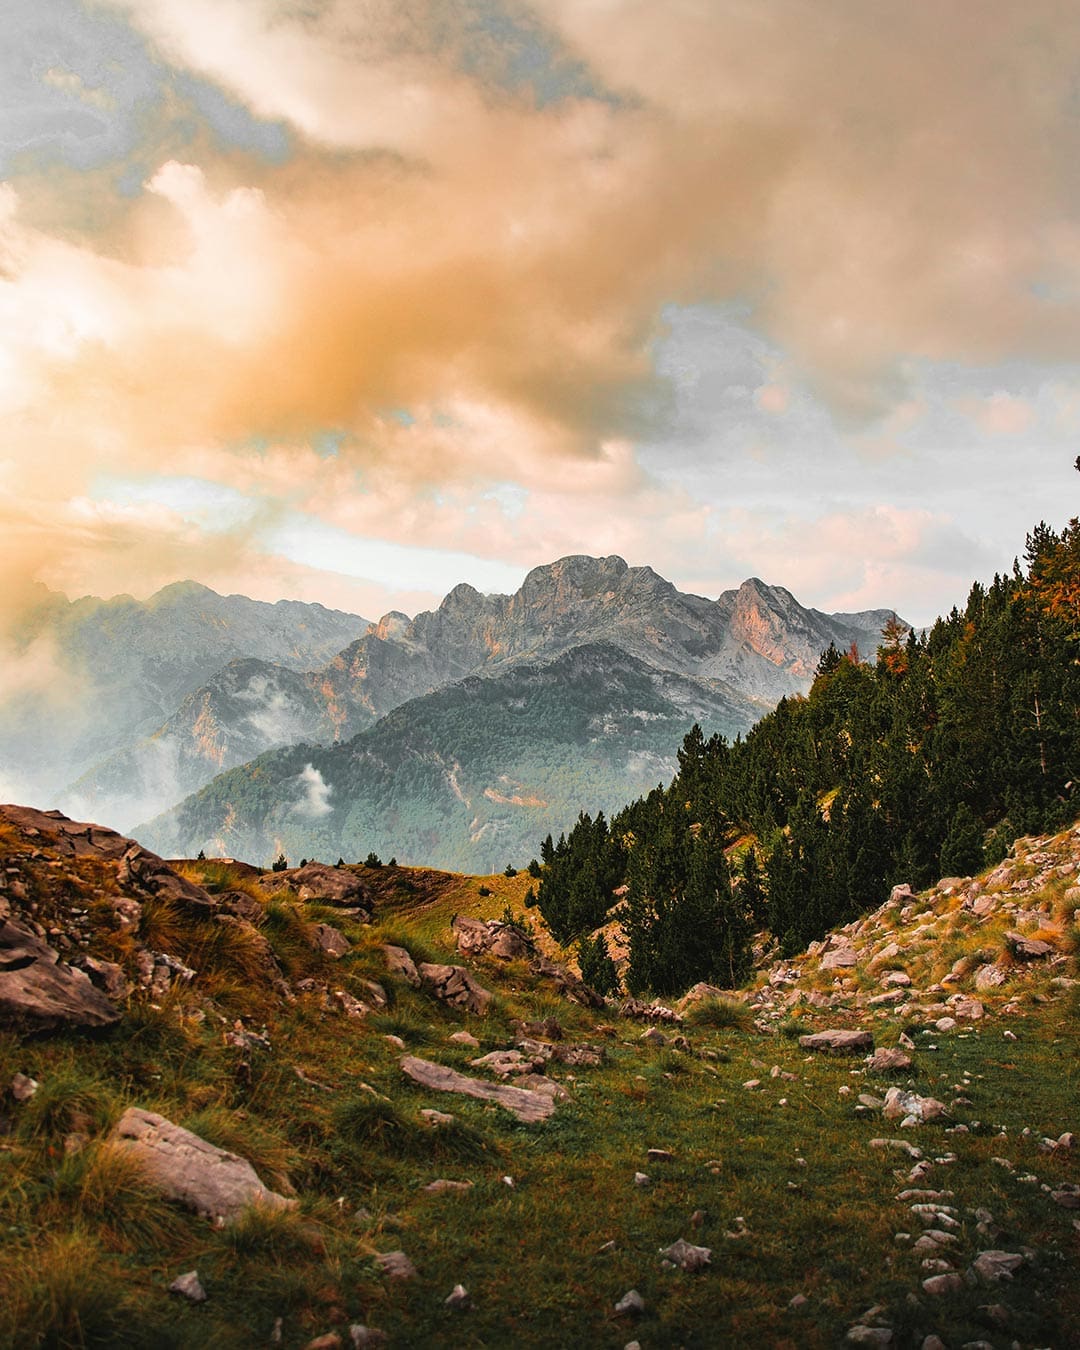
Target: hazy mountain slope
<point>243,710</point>
<point>101,673</point>
<point>469,776</point>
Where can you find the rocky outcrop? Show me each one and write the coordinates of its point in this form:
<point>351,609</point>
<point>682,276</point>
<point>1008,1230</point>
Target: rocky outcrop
<point>211,1181</point>
<point>40,992</point>
<point>322,885</point>
<point>526,1104</point>
<point>839,1042</point>
<point>477,937</point>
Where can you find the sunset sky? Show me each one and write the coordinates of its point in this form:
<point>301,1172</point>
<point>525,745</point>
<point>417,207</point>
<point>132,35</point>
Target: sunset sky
<point>351,300</point>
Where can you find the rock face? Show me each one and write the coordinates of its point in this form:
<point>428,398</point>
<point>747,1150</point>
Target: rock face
<point>39,991</point>
<point>527,1104</point>
<point>212,1182</point>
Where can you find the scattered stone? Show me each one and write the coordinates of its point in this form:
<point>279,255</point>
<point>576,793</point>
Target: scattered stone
<point>798,1302</point>
<point>395,1265</point>
<point>477,936</point>
<point>465,1038</point>
<point>660,1155</point>
<point>23,1087</point>
<point>455,986</point>
<point>655,1037</point>
<point>331,941</point>
<point>436,1118</point>
<point>899,1103</point>
<point>329,1341</point>
<point>843,958</point>
<point>989,977</point>
<point>1067,1195</point>
<point>864,1335</point>
<point>839,1041</point>
<point>363,1337</point>
<point>401,964</point>
<point>211,1181</point>
<point>442,1185</point>
<point>1028,949</point>
<point>945,1024</point>
<point>641,1179</point>
<point>631,1303</point>
<point>889,1060</point>
<point>189,1287</point>
<point>949,1283</point>
<point>686,1256</point>
<point>994,1266</point>
<point>933,1343</point>
<point>526,1104</point>
<point>458,1297</point>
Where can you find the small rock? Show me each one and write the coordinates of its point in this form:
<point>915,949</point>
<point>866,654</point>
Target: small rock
<point>686,1256</point>
<point>458,1297</point>
<point>362,1337</point>
<point>933,1342</point>
<point>938,1285</point>
<point>889,1059</point>
<point>23,1087</point>
<point>660,1155</point>
<point>396,1265</point>
<point>863,1335</point>
<point>465,1038</point>
<point>441,1185</point>
<point>641,1179</point>
<point>189,1287</point>
<point>331,1341</point>
<point>632,1303</point>
<point>839,1041</point>
<point>994,1266</point>
<point>798,1302</point>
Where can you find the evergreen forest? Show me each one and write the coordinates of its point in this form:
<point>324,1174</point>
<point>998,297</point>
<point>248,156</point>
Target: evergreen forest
<point>927,762</point>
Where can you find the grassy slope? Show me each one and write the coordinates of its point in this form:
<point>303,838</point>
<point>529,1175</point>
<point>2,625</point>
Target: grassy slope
<point>88,1255</point>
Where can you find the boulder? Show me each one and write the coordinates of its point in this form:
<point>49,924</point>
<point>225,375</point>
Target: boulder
<point>841,958</point>
<point>324,937</point>
<point>525,1103</point>
<point>900,1104</point>
<point>1027,948</point>
<point>38,991</point>
<point>700,993</point>
<point>567,984</point>
<point>838,1041</point>
<point>995,1266</point>
<point>686,1256</point>
<point>454,985</point>
<point>889,1059</point>
<point>211,1181</point>
<point>322,885</point>
<point>400,963</point>
<point>990,977</point>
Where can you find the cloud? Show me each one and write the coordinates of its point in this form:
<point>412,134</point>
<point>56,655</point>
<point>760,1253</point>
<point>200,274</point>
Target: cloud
<point>468,276</point>
<point>315,802</point>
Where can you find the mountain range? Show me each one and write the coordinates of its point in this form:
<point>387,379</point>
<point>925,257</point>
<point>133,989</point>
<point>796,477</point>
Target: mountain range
<point>461,736</point>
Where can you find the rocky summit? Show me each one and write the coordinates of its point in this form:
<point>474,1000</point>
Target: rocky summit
<point>373,1105</point>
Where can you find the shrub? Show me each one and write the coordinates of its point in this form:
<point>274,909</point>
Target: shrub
<point>372,860</point>
<point>597,968</point>
<point>720,1013</point>
<point>280,863</point>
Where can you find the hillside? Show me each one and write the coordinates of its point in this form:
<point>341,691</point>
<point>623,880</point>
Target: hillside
<point>622,1174</point>
<point>470,776</point>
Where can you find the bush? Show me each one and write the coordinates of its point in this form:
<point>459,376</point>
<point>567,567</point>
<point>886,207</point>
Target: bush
<point>511,870</point>
<point>280,863</point>
<point>720,1013</point>
<point>597,968</point>
<point>372,860</point>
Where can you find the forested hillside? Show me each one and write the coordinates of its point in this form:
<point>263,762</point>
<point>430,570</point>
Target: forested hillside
<point>928,761</point>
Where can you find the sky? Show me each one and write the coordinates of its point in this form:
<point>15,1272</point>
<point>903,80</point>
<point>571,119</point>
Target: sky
<point>352,300</point>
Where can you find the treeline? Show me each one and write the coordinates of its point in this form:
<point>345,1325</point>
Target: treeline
<point>927,762</point>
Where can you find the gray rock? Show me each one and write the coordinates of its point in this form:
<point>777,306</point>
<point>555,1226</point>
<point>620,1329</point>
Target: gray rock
<point>39,991</point>
<point>329,940</point>
<point>938,1285</point>
<point>477,936</point>
<point>442,1186</point>
<point>458,1297</point>
<point>889,1059</point>
<point>989,977</point>
<point>686,1256</point>
<point>1027,948</point>
<point>189,1286</point>
<point>632,1303</point>
<point>903,1104</point>
<point>526,1104</point>
<point>211,1181</point>
<point>455,986</point>
<point>400,963</point>
<point>396,1266</point>
<point>994,1266</point>
<point>363,1338</point>
<point>23,1087</point>
<point>843,958</point>
<point>863,1335</point>
<point>838,1041</point>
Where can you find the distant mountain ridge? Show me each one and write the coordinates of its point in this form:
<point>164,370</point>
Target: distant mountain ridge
<point>757,640</point>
